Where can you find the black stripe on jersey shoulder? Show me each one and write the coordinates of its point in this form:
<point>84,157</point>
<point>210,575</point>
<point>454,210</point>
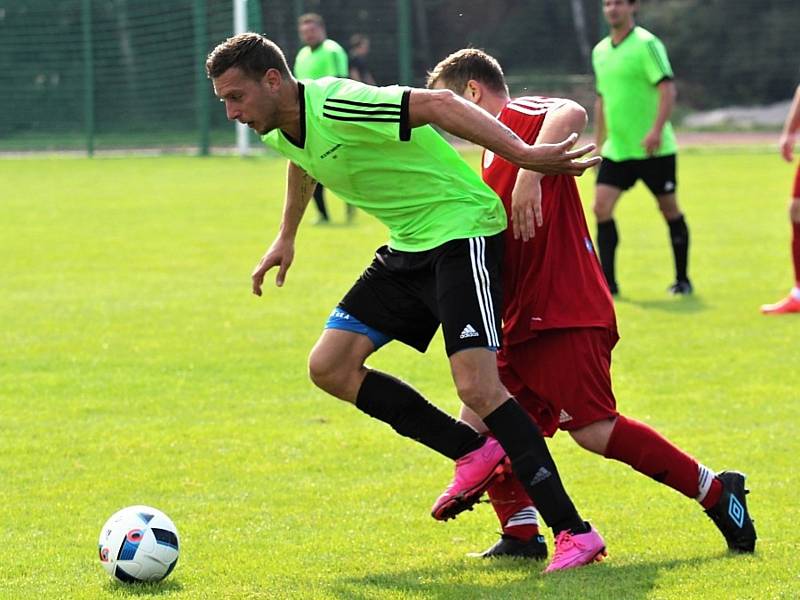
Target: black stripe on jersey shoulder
<point>361,118</point>
<point>395,111</point>
<point>364,104</point>
<point>651,45</point>
<point>405,119</point>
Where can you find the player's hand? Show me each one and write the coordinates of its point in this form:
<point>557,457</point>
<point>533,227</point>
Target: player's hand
<point>559,159</point>
<point>652,142</point>
<point>281,255</point>
<point>526,206</point>
<point>787,146</point>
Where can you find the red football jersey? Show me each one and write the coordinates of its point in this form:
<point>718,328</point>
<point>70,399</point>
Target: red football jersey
<point>555,279</point>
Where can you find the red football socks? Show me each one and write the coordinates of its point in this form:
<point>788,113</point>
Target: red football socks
<point>514,508</point>
<point>796,252</point>
<point>650,453</point>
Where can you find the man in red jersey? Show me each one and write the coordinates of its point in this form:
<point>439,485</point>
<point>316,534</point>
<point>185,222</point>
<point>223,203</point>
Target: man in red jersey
<point>559,326</point>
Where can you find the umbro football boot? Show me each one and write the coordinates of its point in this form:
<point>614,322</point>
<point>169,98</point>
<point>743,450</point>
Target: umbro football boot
<point>577,549</point>
<point>730,513</point>
<point>475,471</point>
<point>511,547</point>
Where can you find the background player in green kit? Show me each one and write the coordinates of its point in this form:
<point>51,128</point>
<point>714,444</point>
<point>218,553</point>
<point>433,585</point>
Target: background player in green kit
<point>635,96</point>
<point>320,57</point>
<point>375,148</point>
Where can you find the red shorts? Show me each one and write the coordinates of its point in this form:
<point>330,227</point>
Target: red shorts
<point>796,191</point>
<point>562,377</point>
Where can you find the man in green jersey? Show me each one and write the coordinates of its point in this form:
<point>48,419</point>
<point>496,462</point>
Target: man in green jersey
<point>320,57</point>
<point>635,96</point>
<point>375,147</point>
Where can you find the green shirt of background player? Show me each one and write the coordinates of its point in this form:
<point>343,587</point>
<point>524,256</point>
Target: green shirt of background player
<point>635,97</point>
<point>376,148</point>
<point>320,57</point>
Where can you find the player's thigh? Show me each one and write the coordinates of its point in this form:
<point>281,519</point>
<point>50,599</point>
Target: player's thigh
<point>660,177</point>
<point>567,373</point>
<point>338,353</point>
<point>613,178</point>
<point>391,299</point>
<point>467,292</point>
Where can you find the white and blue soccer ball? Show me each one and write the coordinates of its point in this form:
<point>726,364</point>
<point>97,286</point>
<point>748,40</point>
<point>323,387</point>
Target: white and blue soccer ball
<point>139,543</point>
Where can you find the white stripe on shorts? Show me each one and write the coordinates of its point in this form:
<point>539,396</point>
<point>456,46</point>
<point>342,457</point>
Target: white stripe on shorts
<point>477,251</point>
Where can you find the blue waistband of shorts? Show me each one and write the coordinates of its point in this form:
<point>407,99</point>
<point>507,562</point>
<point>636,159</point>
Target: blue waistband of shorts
<point>341,319</point>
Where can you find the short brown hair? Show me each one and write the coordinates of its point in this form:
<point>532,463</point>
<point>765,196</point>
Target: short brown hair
<point>252,53</point>
<point>311,18</point>
<point>455,71</point>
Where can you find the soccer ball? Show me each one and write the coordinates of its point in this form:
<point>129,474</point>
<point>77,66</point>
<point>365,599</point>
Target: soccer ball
<point>138,543</point>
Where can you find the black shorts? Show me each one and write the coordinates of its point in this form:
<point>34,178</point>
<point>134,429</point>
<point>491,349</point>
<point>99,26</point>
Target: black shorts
<point>658,174</point>
<point>406,295</point>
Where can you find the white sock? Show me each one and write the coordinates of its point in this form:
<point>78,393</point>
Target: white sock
<point>795,293</point>
<point>526,516</point>
<point>704,478</point>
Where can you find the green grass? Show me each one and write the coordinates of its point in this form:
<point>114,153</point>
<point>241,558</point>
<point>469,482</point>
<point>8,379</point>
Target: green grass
<point>136,367</point>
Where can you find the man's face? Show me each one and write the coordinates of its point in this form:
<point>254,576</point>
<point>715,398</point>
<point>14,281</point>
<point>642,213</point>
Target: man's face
<point>311,34</point>
<point>247,100</point>
<point>618,12</point>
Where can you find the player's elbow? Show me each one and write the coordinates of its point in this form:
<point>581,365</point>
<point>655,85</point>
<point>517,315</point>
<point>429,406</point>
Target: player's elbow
<point>575,116</point>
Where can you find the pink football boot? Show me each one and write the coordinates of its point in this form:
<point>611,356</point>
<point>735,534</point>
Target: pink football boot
<point>475,471</point>
<point>577,549</point>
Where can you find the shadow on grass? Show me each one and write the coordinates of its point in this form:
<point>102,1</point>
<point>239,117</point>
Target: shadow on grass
<point>684,304</point>
<point>157,588</point>
<point>525,580</point>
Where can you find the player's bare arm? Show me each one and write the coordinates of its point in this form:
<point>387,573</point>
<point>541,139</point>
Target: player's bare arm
<point>599,123</point>
<point>299,188</point>
<point>526,198</point>
<point>465,120</point>
<point>666,102</point>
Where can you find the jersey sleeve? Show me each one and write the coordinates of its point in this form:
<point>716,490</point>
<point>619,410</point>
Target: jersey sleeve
<point>656,62</point>
<point>357,112</point>
<point>341,61</point>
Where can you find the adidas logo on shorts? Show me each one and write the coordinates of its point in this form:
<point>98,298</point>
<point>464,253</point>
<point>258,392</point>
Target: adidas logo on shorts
<point>469,331</point>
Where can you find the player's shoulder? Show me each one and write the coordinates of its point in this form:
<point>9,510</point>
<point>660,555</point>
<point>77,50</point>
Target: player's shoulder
<point>603,45</point>
<point>342,87</point>
<point>533,105</point>
<point>332,45</point>
<point>643,35</point>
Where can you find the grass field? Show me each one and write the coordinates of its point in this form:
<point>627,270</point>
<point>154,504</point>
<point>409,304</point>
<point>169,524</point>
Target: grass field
<point>136,367</point>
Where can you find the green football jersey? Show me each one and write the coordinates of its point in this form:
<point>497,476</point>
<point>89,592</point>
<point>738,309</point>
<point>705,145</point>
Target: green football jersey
<point>627,77</point>
<point>326,60</point>
<point>356,140</point>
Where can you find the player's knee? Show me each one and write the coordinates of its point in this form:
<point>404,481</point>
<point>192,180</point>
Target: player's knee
<point>594,437</point>
<point>602,211</point>
<point>477,394</point>
<point>325,373</point>
<point>794,210</point>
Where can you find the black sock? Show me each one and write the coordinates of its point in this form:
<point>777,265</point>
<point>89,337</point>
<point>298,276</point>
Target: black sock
<point>319,200</point>
<point>679,236</point>
<point>534,467</point>
<point>396,403</point>
<point>607,240</point>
